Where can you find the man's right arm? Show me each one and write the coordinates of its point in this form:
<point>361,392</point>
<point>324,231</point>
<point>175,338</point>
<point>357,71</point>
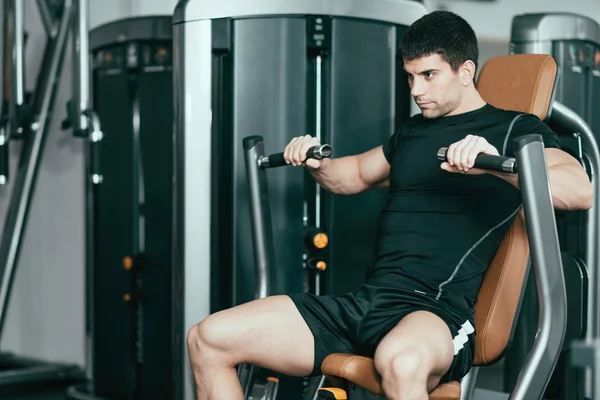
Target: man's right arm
<point>353,174</point>
<point>344,175</point>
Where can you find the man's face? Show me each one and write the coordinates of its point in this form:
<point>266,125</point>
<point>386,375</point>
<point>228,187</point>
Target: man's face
<point>434,86</point>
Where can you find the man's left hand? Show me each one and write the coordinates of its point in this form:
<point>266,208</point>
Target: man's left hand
<point>461,155</point>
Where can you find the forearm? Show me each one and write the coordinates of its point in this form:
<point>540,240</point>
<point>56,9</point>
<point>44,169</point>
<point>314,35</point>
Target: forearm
<point>340,175</point>
<point>569,186</point>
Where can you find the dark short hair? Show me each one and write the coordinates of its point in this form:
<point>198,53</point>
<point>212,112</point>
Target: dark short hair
<point>443,33</point>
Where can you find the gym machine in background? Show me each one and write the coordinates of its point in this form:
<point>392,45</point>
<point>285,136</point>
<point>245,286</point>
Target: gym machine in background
<point>278,69</point>
<point>27,118</point>
<point>129,216</point>
<point>574,41</point>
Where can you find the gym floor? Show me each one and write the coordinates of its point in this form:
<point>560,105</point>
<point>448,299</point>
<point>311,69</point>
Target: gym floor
<point>489,378</point>
<point>49,392</point>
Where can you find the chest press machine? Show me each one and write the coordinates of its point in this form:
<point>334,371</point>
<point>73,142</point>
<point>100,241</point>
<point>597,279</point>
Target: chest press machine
<point>523,83</point>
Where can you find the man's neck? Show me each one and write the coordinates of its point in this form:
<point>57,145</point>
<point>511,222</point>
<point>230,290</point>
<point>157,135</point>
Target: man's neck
<point>471,101</point>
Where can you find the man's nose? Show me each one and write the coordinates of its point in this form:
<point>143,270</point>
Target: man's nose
<point>417,88</point>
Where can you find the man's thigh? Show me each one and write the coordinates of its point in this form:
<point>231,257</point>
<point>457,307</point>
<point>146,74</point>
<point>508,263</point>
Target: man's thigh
<point>427,338</point>
<point>269,332</point>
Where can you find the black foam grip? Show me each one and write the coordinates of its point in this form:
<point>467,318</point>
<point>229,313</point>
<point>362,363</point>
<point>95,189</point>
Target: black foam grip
<point>486,161</point>
<point>277,160</point>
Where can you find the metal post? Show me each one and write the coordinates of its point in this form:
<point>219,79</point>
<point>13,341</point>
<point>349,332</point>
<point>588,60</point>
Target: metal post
<point>467,384</point>
<point>17,68</point>
<point>81,65</point>
<point>14,227</point>
<point>4,153</point>
<point>262,231</point>
<point>47,17</point>
<point>81,102</point>
<point>569,120</point>
<point>547,267</point>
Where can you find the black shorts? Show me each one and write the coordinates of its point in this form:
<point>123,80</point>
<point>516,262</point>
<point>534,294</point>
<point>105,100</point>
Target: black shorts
<point>356,322</point>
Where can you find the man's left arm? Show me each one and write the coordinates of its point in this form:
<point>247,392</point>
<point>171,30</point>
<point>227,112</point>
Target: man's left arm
<point>570,186</point>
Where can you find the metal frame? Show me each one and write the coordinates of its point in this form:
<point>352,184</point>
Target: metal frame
<point>401,12</point>
<point>43,101</point>
<point>586,354</point>
<point>192,180</point>
<point>16,33</point>
<point>31,122</point>
<point>262,231</point>
<point>547,267</point>
<point>4,154</point>
<point>48,16</point>
<point>572,122</point>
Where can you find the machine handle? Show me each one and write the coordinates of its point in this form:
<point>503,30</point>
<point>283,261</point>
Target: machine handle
<point>277,160</point>
<point>487,161</point>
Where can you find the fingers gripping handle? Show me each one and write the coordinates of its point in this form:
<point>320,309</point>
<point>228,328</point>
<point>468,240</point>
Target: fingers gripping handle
<point>487,161</point>
<point>277,160</point>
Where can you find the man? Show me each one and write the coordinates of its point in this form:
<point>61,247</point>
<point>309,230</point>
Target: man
<point>439,230</point>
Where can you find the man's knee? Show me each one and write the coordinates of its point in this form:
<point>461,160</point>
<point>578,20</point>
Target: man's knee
<point>203,340</point>
<point>406,365</point>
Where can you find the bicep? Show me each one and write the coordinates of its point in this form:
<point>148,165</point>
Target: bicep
<point>374,168</point>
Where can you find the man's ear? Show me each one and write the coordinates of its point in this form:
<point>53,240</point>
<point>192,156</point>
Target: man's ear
<point>467,72</point>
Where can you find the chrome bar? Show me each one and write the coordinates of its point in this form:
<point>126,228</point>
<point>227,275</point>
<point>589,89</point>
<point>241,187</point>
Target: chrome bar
<point>47,17</point>
<point>17,68</point>
<point>318,125</point>
<point>467,384</point>
<point>81,65</point>
<point>4,47</point>
<point>260,212</point>
<point>84,120</point>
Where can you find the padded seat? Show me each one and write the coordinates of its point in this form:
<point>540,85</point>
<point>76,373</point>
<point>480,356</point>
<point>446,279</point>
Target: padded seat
<point>361,371</point>
<point>525,83</point>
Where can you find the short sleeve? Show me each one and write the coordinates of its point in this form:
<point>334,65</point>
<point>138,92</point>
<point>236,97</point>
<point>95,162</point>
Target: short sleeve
<point>528,124</point>
<point>389,146</point>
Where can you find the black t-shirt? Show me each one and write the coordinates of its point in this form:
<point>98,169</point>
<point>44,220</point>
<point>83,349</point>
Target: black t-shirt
<point>439,231</point>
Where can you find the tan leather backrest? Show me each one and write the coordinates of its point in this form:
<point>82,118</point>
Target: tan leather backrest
<point>519,82</point>
<point>500,293</point>
<point>523,82</point>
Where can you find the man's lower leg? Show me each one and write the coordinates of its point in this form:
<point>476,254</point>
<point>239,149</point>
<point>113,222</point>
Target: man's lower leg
<point>217,382</point>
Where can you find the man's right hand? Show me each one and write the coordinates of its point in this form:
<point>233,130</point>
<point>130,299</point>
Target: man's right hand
<point>295,152</point>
